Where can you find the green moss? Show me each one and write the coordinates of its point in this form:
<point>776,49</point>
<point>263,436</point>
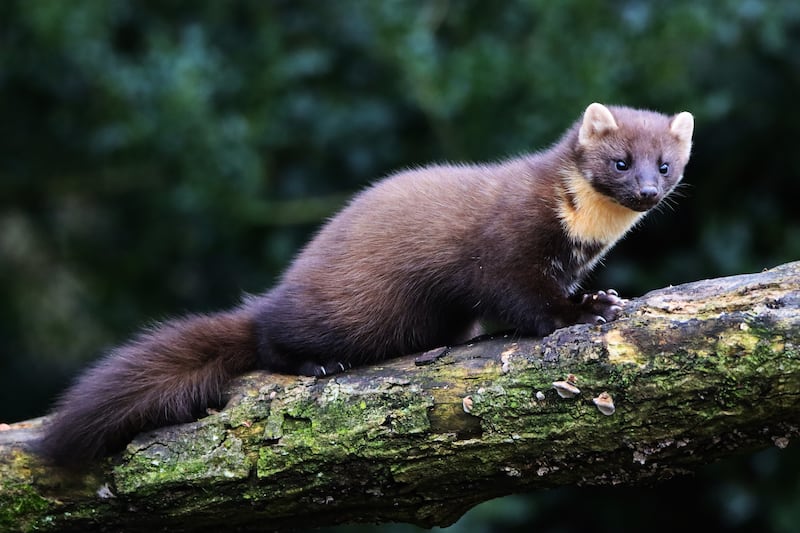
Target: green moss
<point>18,502</point>
<point>622,377</point>
<point>347,419</point>
<point>734,342</point>
<point>208,455</point>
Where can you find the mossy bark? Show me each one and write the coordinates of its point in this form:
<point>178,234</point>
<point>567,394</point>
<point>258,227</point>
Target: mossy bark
<point>696,372</point>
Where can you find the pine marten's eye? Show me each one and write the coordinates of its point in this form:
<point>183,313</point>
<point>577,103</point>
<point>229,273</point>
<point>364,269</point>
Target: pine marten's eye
<point>621,165</point>
<point>664,169</point>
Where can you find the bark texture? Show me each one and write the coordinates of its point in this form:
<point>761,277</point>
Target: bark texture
<point>695,372</point>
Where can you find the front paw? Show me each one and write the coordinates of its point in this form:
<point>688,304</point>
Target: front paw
<point>600,307</point>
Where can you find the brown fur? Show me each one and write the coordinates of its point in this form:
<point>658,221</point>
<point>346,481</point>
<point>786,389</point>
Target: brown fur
<point>410,264</point>
<point>165,375</point>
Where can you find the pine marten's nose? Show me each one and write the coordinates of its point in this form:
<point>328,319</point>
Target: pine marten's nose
<point>648,192</point>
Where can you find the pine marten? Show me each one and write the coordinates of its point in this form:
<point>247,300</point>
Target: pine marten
<point>409,265</point>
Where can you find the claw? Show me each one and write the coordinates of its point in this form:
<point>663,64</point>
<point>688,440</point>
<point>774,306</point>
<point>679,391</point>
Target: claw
<point>612,292</point>
<point>600,320</point>
<point>616,309</point>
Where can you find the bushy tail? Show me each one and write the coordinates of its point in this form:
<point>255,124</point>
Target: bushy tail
<point>165,375</point>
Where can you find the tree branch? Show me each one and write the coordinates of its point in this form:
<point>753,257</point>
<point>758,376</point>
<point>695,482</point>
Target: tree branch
<point>695,372</point>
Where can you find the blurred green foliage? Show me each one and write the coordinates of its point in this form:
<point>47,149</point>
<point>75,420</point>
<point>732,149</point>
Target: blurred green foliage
<point>157,157</point>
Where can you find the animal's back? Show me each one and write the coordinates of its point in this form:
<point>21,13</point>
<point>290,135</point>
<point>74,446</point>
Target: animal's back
<point>391,272</point>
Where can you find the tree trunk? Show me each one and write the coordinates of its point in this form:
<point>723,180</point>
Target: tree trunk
<point>694,372</point>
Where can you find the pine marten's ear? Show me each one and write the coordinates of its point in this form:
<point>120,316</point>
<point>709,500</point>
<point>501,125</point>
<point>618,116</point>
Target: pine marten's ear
<point>682,127</point>
<point>597,120</point>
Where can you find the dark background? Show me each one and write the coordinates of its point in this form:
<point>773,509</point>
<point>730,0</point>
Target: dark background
<point>162,157</point>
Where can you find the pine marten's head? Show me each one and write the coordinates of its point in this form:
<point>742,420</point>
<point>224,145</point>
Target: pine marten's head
<point>632,156</point>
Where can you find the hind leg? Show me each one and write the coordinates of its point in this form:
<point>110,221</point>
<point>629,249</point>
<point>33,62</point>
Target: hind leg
<point>312,368</point>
